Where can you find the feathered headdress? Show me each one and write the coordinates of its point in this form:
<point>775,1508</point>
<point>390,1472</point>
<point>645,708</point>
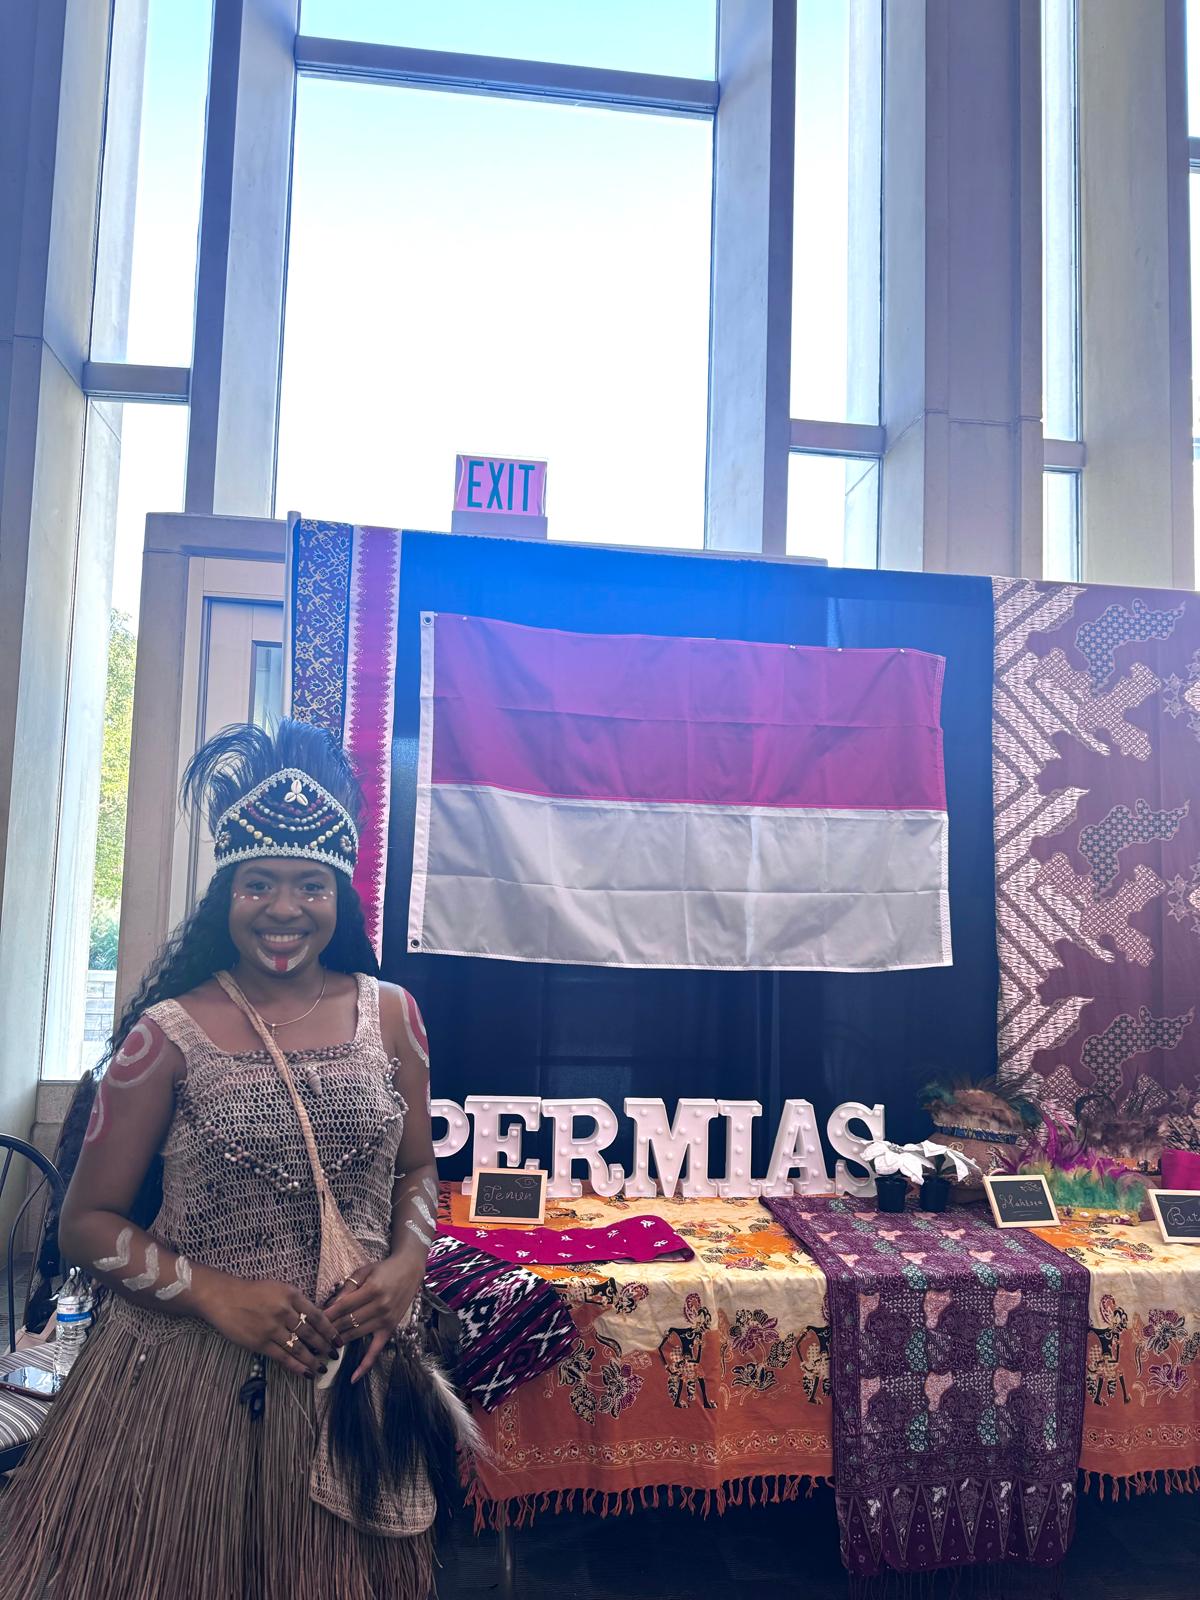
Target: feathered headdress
<point>291,793</point>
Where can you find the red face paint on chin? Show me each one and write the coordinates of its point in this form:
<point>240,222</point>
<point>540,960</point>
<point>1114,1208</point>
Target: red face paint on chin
<point>281,965</point>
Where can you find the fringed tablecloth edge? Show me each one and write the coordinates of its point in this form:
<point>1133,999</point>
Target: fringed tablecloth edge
<point>1170,1480</point>
<point>520,1511</point>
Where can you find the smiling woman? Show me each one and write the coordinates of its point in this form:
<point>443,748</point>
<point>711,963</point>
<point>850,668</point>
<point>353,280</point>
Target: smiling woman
<point>279,1204</point>
<point>283,914</point>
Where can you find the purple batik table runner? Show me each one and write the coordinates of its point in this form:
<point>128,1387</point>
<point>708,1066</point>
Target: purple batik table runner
<point>957,1368</point>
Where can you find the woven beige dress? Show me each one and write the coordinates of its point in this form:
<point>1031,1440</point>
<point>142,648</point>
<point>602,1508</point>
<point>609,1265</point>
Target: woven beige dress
<point>151,1479</point>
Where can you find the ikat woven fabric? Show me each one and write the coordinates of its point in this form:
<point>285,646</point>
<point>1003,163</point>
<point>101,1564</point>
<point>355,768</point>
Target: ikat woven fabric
<point>957,1365</point>
<point>343,594</point>
<point>1096,766</point>
<point>512,1326</point>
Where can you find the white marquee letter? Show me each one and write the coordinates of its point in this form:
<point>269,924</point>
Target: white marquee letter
<point>798,1147</point>
<point>849,1144</point>
<point>489,1144</point>
<point>739,1115</point>
<point>570,1146</point>
<point>673,1144</point>
<point>458,1128</point>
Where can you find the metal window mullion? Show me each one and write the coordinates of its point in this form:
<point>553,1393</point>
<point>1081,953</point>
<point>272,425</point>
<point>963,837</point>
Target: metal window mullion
<point>134,381</point>
<point>837,438</point>
<point>1064,455</point>
<point>241,259</point>
<point>1182,313</point>
<point>451,71</point>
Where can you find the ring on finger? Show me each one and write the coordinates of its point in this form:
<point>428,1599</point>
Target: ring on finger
<point>353,1318</point>
<point>290,1344</point>
<point>300,1324</point>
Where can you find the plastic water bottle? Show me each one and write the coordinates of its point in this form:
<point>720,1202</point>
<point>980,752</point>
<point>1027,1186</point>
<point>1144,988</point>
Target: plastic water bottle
<point>73,1322</point>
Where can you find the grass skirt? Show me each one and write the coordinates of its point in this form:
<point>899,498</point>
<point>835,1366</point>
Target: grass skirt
<point>150,1481</point>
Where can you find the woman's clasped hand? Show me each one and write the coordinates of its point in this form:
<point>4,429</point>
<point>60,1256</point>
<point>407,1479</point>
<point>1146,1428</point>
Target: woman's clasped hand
<point>274,1320</point>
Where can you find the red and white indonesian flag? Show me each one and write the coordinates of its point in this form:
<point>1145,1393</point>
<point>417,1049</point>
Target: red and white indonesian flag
<point>655,802</point>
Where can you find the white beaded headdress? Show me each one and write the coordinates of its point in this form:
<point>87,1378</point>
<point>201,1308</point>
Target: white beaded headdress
<point>287,792</point>
<point>288,814</point>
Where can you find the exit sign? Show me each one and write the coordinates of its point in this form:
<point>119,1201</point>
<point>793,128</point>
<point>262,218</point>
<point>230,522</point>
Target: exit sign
<point>506,486</point>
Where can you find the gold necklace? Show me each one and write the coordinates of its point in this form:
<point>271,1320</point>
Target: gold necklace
<point>288,1021</point>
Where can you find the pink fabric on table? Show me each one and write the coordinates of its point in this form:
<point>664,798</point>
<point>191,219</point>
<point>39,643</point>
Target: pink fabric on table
<point>1180,1169</point>
<point>635,1239</point>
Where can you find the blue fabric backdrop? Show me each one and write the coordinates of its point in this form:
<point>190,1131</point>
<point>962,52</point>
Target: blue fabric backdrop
<point>510,1027</point>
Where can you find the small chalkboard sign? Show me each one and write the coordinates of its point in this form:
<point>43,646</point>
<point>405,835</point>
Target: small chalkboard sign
<point>1178,1214</point>
<point>1019,1200</point>
<point>509,1194</point>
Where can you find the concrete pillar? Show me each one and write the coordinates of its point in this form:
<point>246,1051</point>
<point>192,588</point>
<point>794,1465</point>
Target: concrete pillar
<point>1137,496</point>
<point>243,253</point>
<point>962,286</point>
<point>52,75</point>
<point>752,279</point>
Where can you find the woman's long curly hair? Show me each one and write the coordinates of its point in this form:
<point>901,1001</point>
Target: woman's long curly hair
<point>232,763</point>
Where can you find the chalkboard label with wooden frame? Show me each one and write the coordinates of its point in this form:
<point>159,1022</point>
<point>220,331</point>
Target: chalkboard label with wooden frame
<point>1177,1212</point>
<point>509,1194</point>
<point>1021,1200</point>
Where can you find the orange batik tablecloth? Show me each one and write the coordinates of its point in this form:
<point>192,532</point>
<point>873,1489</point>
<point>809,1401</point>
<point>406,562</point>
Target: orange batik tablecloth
<point>703,1382</point>
<point>1141,1423</point>
<point>706,1382</point>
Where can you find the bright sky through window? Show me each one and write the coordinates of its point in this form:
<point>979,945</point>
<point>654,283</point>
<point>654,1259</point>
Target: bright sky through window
<point>676,37</point>
<point>151,199</point>
<point>509,277</point>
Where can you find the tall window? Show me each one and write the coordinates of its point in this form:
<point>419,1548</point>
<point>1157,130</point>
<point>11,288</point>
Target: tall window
<point>1062,490</point>
<point>509,277</point>
<point>134,462</point>
<point>833,493</point>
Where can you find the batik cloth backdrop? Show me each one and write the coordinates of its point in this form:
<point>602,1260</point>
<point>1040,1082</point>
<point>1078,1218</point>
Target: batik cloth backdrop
<point>957,1366</point>
<point>642,800</point>
<point>1097,819</point>
<point>343,587</point>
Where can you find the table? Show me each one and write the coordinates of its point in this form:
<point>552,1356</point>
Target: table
<point>706,1383</point>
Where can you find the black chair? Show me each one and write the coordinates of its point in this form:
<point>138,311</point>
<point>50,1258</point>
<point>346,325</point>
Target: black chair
<point>20,1415</point>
